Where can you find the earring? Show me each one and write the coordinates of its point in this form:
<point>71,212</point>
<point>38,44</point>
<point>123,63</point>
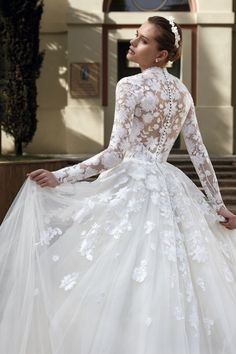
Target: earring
<point>157,60</point>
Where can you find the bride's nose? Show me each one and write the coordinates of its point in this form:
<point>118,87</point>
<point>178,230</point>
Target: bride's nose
<point>132,41</point>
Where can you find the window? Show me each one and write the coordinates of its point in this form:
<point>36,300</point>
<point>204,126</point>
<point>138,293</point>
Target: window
<point>150,5</point>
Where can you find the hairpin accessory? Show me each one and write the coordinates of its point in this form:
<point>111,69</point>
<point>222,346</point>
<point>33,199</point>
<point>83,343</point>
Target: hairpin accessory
<point>174,29</point>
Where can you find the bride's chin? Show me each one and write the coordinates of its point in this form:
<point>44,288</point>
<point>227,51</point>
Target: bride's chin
<point>129,58</point>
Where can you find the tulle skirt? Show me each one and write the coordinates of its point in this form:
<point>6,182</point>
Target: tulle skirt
<point>135,262</point>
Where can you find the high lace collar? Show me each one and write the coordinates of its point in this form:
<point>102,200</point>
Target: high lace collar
<point>154,69</point>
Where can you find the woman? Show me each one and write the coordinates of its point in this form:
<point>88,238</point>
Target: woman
<point>138,261</point>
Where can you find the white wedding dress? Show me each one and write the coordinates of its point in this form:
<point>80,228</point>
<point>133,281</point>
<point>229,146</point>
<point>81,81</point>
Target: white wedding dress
<point>135,262</point>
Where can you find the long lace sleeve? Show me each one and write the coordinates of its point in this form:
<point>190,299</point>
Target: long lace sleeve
<point>200,159</point>
<point>108,158</point>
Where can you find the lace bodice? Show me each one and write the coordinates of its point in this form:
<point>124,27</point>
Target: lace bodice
<point>151,109</point>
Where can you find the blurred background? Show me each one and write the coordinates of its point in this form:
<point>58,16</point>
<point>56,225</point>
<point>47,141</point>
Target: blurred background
<point>76,116</point>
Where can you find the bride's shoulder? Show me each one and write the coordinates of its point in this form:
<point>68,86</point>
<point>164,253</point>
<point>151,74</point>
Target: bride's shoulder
<point>180,85</point>
<point>131,81</point>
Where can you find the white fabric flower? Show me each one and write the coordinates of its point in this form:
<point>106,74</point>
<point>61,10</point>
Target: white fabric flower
<point>69,281</point>
<point>140,273</point>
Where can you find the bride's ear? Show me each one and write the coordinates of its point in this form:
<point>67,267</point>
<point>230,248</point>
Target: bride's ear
<point>163,55</point>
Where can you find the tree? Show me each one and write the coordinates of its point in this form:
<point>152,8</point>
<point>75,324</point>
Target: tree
<point>20,63</point>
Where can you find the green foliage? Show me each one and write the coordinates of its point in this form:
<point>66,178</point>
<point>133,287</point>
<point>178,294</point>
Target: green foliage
<point>20,63</point>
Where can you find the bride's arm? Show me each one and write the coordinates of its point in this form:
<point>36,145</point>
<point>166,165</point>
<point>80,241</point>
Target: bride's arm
<point>108,158</point>
<point>202,163</point>
<point>200,159</point>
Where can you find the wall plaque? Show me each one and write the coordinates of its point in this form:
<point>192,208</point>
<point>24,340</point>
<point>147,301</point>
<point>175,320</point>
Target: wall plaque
<point>84,80</point>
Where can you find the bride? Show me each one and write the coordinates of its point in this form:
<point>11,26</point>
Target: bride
<point>138,261</point>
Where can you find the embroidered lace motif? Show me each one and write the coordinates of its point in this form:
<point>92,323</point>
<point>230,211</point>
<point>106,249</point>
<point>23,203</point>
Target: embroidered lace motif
<point>150,111</point>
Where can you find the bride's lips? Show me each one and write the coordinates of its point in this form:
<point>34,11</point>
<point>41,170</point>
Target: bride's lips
<point>131,51</point>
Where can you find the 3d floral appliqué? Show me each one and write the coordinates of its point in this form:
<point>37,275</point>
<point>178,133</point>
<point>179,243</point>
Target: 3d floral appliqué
<point>69,281</point>
<point>140,273</point>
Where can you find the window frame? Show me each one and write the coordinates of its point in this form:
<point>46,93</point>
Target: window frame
<point>107,5</point>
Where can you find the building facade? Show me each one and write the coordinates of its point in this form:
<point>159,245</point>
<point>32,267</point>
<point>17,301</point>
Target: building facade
<point>85,43</point>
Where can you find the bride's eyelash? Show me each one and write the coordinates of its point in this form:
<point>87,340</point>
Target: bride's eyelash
<point>144,41</point>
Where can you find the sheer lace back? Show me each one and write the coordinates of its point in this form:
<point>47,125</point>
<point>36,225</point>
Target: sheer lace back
<point>151,109</point>
<point>159,114</point>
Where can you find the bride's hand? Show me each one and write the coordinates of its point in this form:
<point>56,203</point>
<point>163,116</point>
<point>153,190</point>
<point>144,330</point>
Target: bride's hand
<point>230,222</point>
<point>43,178</point>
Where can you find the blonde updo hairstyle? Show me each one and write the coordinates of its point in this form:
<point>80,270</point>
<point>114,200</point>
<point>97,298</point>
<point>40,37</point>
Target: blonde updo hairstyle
<point>166,38</point>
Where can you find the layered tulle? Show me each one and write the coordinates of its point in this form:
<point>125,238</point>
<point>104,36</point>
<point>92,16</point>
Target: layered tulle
<point>134,262</point>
